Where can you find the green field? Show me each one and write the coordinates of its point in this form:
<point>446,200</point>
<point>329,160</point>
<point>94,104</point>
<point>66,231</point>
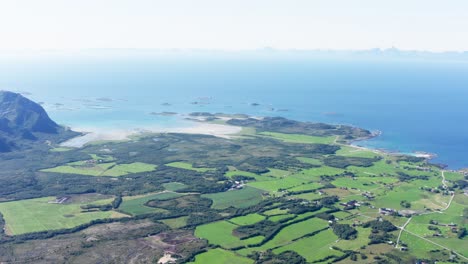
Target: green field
<point>35,215</point>
<point>299,138</point>
<point>315,173</point>
<point>410,192</point>
<point>361,240</point>
<point>247,219</point>
<point>417,246</point>
<point>290,233</point>
<point>276,218</point>
<point>313,248</point>
<point>454,214</point>
<point>243,198</point>
<point>176,222</point>
<point>276,173</point>
<point>135,205</point>
<point>220,256</point>
<point>308,214</point>
<point>257,177</point>
<point>124,169</point>
<point>276,211</point>
<point>453,176</point>
<point>102,169</point>
<point>80,168</point>
<point>379,168</point>
<point>221,233</point>
<point>364,183</point>
<point>275,185</point>
<point>187,166</point>
<point>305,187</point>
<point>105,158</point>
<point>308,196</point>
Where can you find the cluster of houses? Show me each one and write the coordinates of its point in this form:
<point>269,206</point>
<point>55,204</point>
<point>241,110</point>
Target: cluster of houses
<point>368,195</point>
<point>387,211</point>
<point>350,204</point>
<point>390,211</point>
<point>237,185</point>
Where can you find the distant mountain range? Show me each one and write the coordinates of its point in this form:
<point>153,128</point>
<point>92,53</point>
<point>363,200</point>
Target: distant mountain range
<point>376,53</point>
<point>23,122</point>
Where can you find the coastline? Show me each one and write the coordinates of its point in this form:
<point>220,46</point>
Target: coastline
<point>201,124</point>
<point>374,134</point>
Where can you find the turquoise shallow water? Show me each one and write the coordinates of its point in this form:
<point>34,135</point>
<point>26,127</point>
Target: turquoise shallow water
<point>418,105</point>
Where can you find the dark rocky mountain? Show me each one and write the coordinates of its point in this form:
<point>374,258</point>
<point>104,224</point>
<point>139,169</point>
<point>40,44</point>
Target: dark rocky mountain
<point>23,122</point>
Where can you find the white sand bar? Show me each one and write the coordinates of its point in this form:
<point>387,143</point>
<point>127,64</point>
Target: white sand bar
<point>100,134</point>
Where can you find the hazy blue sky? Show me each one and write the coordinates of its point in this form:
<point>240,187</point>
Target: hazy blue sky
<point>235,24</point>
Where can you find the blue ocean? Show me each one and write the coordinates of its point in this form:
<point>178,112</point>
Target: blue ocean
<point>417,104</point>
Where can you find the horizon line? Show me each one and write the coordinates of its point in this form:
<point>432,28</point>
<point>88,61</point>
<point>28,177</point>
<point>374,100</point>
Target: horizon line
<point>227,50</point>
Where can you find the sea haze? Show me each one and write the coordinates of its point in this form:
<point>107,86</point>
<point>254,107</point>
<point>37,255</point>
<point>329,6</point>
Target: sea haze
<point>419,105</point>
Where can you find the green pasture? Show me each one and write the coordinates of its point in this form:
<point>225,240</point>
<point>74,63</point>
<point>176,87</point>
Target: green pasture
<point>221,233</point>
<point>40,214</point>
<point>243,198</point>
<point>175,223</point>
<point>313,248</point>
<point>187,166</point>
<point>247,219</point>
<point>102,169</point>
<point>220,256</point>
<point>299,138</point>
<point>135,205</point>
<point>289,234</point>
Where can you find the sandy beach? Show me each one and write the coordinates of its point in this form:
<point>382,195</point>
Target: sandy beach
<point>104,134</point>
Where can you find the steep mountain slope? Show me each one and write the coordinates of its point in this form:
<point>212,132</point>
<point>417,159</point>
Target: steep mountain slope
<point>23,122</point>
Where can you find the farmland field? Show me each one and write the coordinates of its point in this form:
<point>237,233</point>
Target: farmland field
<point>176,222</point>
<point>35,215</point>
<point>277,173</point>
<point>305,187</point>
<point>220,256</point>
<point>245,197</point>
<point>92,170</point>
<point>411,192</point>
<point>135,205</point>
<point>275,185</point>
<point>290,233</point>
<point>124,169</point>
<point>275,211</point>
<point>453,176</point>
<point>221,233</point>
<point>313,248</point>
<point>315,173</point>
<point>247,219</point>
<point>299,138</point>
<point>276,218</point>
<point>102,169</point>
<point>257,177</point>
<point>364,183</point>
